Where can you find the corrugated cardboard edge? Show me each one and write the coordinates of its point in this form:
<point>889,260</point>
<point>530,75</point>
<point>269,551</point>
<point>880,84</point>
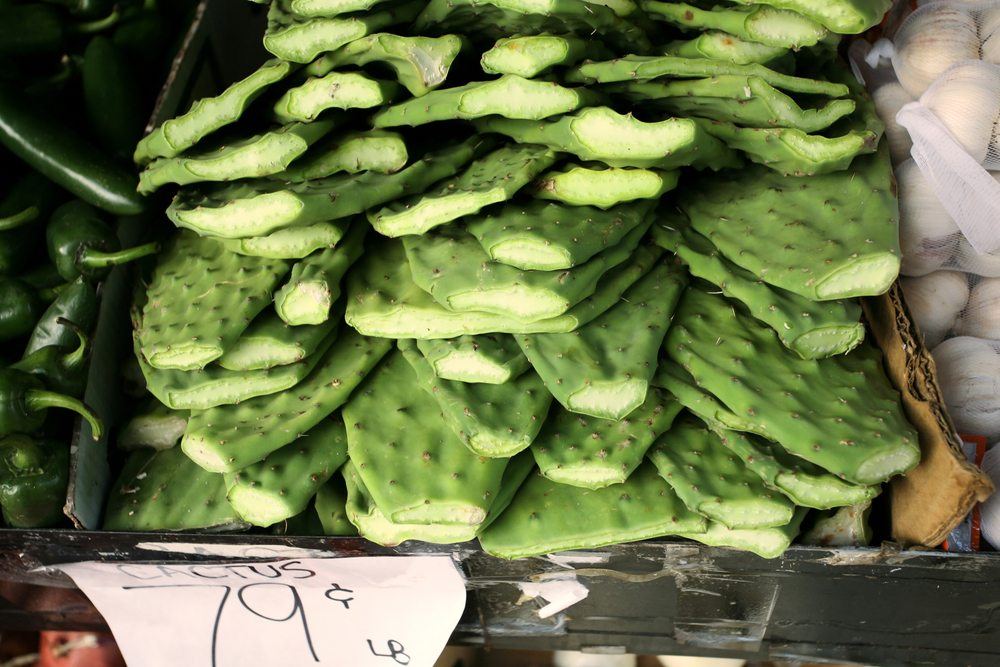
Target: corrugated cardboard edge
<point>930,500</point>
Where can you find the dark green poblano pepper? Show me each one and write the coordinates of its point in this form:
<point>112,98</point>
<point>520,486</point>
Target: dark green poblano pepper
<point>80,243</point>
<point>34,474</point>
<point>61,369</point>
<point>76,303</point>
<point>24,402</point>
<point>20,308</point>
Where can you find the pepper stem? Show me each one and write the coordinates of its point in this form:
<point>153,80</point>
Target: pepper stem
<point>75,358</point>
<point>95,259</point>
<point>40,399</point>
<point>97,25</point>
<point>19,219</point>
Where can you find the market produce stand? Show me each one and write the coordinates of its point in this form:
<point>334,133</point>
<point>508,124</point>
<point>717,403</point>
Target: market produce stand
<point>874,606</point>
<point>881,605</point>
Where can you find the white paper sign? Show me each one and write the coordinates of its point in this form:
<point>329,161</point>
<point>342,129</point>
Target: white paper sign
<point>381,611</point>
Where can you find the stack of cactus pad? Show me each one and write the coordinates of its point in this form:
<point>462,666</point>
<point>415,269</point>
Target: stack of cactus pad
<point>555,274</point>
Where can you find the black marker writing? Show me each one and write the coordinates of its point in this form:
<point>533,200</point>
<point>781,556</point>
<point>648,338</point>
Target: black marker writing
<point>395,651</point>
<point>336,594</point>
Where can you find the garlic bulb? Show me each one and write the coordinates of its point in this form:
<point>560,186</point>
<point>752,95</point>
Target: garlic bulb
<point>982,316</point>
<point>927,234</point>
<point>966,99</point>
<point>989,510</point>
<point>989,33</point>
<point>889,99</point>
<point>970,261</point>
<point>931,40</point>
<point>968,372</point>
<point>935,301</point>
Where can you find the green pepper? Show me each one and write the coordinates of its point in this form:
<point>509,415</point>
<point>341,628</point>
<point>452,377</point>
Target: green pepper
<point>30,198</point>
<point>81,244</point>
<point>77,303</point>
<point>31,29</point>
<point>34,475</point>
<point>61,154</point>
<point>60,369</point>
<point>112,97</point>
<point>43,277</point>
<point>24,402</point>
<point>143,35</point>
<point>85,8</point>
<point>20,308</point>
<point>35,28</point>
<point>28,201</point>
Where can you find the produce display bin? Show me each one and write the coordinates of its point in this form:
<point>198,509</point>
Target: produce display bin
<point>882,605</point>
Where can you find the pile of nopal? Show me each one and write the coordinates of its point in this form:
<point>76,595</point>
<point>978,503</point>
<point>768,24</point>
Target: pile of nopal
<point>444,261</point>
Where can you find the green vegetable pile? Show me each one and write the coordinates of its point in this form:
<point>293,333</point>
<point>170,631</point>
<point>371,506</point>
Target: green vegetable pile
<point>77,81</point>
<point>551,273</point>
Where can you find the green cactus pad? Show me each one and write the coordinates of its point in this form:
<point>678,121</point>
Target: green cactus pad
<point>487,358</point>
<point>257,208</point>
<point>374,526</point>
<point>411,461</point>
<point>200,300</point>
<point>813,329</point>
<point>213,386</point>
<point>421,64</point>
<point>545,236</point>
<point>620,140</point>
<point>492,179</point>
<point>153,426</point>
<point>300,40</point>
<point>290,242</point>
<point>645,68</point>
<point>747,101</point>
<point>839,413</point>
<point>713,481</point>
<point>209,114</point>
<point>603,369</point>
<point>337,90</point>
<point>857,208</point>
<point>593,453</point>
<point>546,517</point>
<point>844,527</point>
<point>602,186</point>
<point>384,301</point>
<point>330,508</point>
<point>377,150</point>
<point>765,542</point>
<point>804,483</point>
<point>718,45</point>
<point>846,17</point>
<point>500,18</point>
<point>510,96</point>
<point>314,286</point>
<point>452,267</point>
<point>280,486</point>
<point>231,437</point>
<point>328,8</point>
<point>793,152</point>
<point>531,55</point>
<point>494,420</point>
<point>269,342</point>
<point>757,23</point>
<point>261,155</point>
<point>163,490</point>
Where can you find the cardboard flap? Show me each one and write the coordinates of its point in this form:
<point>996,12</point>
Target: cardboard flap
<point>931,500</point>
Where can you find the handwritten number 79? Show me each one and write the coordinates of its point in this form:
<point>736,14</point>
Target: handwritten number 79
<point>297,609</point>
